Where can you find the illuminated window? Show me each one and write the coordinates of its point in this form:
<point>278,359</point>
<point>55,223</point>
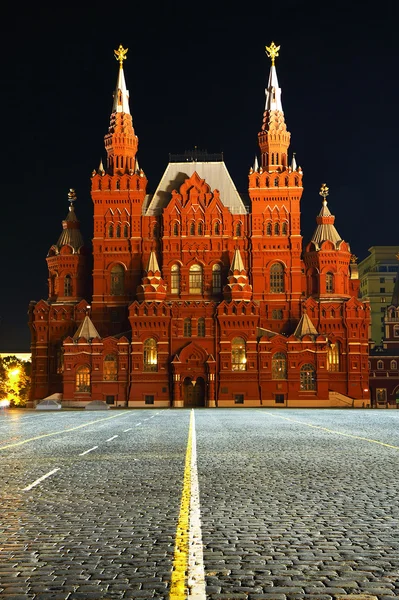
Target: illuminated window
<point>276,278</point>
<point>110,372</point>
<point>150,355</point>
<point>381,395</point>
<point>83,379</point>
<point>396,330</point>
<point>329,282</point>
<point>307,378</point>
<point>216,279</point>
<point>279,366</point>
<point>380,365</point>
<point>175,280</point>
<point>238,354</point>
<point>117,280</point>
<point>187,328</point>
<point>201,327</point>
<point>333,357</point>
<point>394,365</point>
<point>68,285</point>
<point>195,279</point>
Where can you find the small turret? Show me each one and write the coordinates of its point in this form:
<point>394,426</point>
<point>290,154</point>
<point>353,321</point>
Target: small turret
<point>238,287</point>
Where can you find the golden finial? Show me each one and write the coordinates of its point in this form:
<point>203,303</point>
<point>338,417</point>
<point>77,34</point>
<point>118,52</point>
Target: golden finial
<point>120,54</point>
<point>397,256</point>
<point>324,190</point>
<point>353,259</point>
<point>272,51</point>
<point>71,195</point>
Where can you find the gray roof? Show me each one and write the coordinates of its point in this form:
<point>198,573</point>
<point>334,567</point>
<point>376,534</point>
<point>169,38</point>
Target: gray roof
<point>215,174</point>
<point>305,327</point>
<point>86,330</point>
<point>325,229</point>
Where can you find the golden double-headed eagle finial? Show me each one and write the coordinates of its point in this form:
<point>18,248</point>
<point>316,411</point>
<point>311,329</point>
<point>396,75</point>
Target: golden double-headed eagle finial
<point>324,190</point>
<point>120,54</point>
<point>71,195</point>
<point>272,51</point>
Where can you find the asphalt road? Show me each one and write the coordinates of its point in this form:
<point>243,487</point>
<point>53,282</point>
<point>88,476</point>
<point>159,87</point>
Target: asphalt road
<point>293,503</point>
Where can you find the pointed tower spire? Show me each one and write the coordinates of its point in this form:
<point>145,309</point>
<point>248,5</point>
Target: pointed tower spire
<point>325,229</point>
<point>238,287</point>
<point>256,164</point>
<point>121,142</point>
<point>152,286</point>
<point>305,327</point>
<point>293,163</point>
<point>274,139</point>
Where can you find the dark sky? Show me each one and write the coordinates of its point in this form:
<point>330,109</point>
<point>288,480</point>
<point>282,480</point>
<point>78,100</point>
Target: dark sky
<point>196,74</point>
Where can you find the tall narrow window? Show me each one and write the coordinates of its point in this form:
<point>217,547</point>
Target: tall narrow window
<point>238,354</point>
<point>126,230</point>
<point>201,327</point>
<point>83,379</point>
<point>238,230</point>
<point>284,229</point>
<point>117,280</point>
<point>279,366</point>
<point>276,182</point>
<point>269,229</point>
<point>329,282</point>
<point>68,285</point>
<point>192,228</point>
<point>216,279</point>
<point>200,228</point>
<point>217,228</point>
<point>277,279</point>
<point>276,229</point>
<point>333,356</point>
<point>175,280</point>
<point>111,230</point>
<point>176,228</point>
<point>118,231</point>
<point>110,372</point>
<point>150,355</point>
<point>187,328</point>
<point>307,378</point>
<point>195,279</point>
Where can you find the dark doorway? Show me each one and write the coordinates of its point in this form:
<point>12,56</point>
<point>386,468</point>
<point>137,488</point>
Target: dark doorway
<point>194,395</point>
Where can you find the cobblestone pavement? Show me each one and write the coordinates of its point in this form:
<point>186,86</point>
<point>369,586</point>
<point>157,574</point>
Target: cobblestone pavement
<point>294,503</point>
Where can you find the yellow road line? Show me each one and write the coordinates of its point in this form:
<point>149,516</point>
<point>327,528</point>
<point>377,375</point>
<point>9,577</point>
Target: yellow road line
<point>356,437</point>
<point>178,583</point>
<point>39,437</point>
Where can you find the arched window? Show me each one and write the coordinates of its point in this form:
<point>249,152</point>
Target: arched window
<point>284,229</point>
<point>238,230</point>
<point>150,355</point>
<point>118,231</point>
<point>201,327</point>
<point>67,285</point>
<point>276,229</point>
<point>238,354</point>
<point>279,366</point>
<point>176,228</point>
<point>380,365</point>
<point>126,230</point>
<point>333,357</point>
<point>195,279</point>
<point>110,372</point>
<point>175,279</point>
<point>329,282</point>
<point>217,228</point>
<point>307,378</point>
<point>277,279</point>
<point>277,314</point>
<point>187,328</point>
<point>192,228</point>
<point>216,279</point>
<point>200,228</point>
<point>273,158</point>
<point>269,229</point>
<point>111,230</point>
<point>276,182</point>
<point>83,379</point>
<point>117,280</point>
<point>394,365</point>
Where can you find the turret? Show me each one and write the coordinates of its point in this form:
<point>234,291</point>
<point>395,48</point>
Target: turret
<point>152,286</point>
<point>238,287</point>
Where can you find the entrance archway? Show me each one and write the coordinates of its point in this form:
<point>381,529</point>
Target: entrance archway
<point>193,392</point>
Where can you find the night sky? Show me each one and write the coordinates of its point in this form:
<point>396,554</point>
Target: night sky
<point>196,73</point>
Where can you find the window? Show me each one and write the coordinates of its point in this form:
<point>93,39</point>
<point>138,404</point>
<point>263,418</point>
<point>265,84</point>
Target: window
<point>284,229</point>
<point>329,282</point>
<point>111,230</point>
<point>394,365</point>
<point>382,290</point>
<point>195,279</point>
<point>396,331</point>
<point>333,357</point>
<point>238,230</point>
<point>239,399</point>
<point>277,313</point>
<point>201,327</point>
<point>83,379</point>
<point>175,280</point>
<point>380,365</point>
<point>279,366</point>
<point>110,399</point>
<point>110,372</point>
<point>200,228</point>
<point>276,278</point>
<point>192,228</point>
<point>149,399</point>
<point>307,378</point>
<point>126,230</point>
<point>118,231</point>
<point>276,182</point>
<point>117,280</point>
<point>269,229</point>
<point>68,285</point>
<point>279,399</point>
<point>276,229</point>
<point>382,279</point>
<point>381,395</point>
<point>217,228</point>
<point>150,355</point>
<point>216,279</point>
<point>238,354</point>
<point>187,328</point>
<point>382,299</point>
<point>176,229</point>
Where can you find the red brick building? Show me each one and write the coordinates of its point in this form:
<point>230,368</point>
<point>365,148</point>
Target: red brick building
<point>201,295</point>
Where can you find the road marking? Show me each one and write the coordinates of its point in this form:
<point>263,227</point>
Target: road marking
<point>137,424</point>
<point>188,578</point>
<point>87,451</point>
<point>130,428</point>
<point>39,437</point>
<point>111,438</point>
<point>351,435</point>
<point>32,485</point>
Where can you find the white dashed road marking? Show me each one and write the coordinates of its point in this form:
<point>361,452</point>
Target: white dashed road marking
<point>32,485</point>
<point>111,438</point>
<point>87,451</point>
